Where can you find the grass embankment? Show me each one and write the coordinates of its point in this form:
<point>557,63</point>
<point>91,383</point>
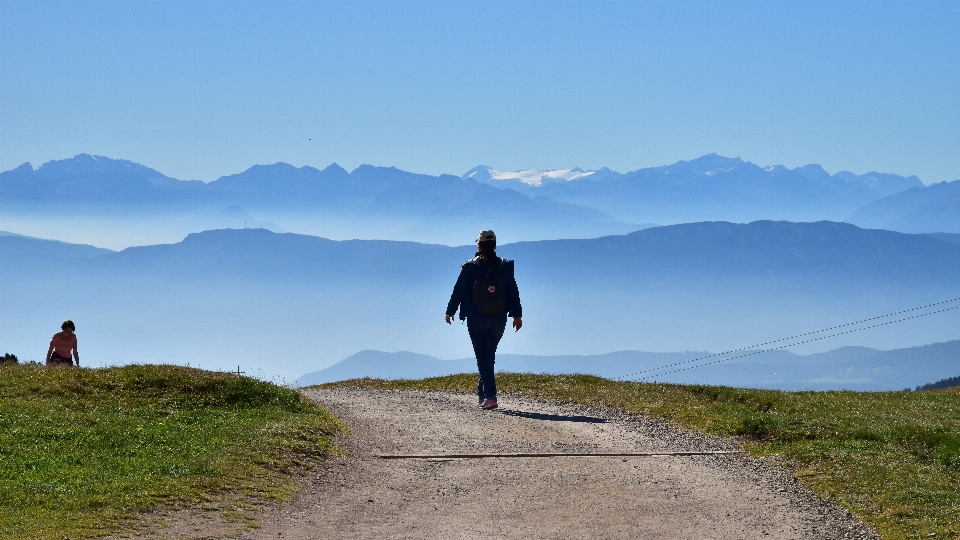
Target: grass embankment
<point>893,458</point>
<point>82,451</point>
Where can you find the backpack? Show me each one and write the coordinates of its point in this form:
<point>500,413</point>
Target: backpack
<point>489,293</point>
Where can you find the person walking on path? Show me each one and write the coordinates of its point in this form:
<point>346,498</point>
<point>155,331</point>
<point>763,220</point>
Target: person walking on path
<point>486,294</point>
<point>62,345</point>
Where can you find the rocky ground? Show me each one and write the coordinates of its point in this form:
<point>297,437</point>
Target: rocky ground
<point>362,495</point>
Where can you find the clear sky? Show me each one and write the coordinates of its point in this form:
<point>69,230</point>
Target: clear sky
<point>200,89</point>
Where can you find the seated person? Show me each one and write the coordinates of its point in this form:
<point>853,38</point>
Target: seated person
<point>62,345</point>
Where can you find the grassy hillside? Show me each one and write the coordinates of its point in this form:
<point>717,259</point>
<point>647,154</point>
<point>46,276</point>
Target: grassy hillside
<point>82,451</point>
<point>893,458</point>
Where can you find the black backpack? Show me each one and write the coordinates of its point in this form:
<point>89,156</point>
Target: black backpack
<point>489,294</point>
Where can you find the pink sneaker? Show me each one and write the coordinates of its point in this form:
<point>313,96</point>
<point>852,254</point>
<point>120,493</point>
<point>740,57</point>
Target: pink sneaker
<point>489,403</point>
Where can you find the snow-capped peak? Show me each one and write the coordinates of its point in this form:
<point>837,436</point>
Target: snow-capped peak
<point>536,177</point>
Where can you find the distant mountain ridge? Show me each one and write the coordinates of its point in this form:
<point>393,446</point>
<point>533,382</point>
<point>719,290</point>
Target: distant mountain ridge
<point>86,179</point>
<point>709,188</point>
<point>377,202</point>
<point>846,368</point>
<point>387,203</point>
<point>934,208</point>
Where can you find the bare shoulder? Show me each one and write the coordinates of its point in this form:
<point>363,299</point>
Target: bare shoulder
<point>65,337</point>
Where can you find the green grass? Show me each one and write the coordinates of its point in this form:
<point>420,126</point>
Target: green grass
<point>892,458</point>
<point>83,451</point>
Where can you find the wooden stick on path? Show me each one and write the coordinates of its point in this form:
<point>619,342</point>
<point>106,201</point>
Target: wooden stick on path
<point>546,455</point>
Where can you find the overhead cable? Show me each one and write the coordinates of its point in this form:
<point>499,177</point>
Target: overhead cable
<point>751,347</point>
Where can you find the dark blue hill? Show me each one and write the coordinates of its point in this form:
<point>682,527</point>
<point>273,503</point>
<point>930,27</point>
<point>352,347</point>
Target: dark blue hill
<point>22,250</point>
<point>265,255</point>
<point>821,252</point>
<point>815,254</point>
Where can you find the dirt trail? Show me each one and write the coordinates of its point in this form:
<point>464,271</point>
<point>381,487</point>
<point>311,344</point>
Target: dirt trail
<point>363,496</point>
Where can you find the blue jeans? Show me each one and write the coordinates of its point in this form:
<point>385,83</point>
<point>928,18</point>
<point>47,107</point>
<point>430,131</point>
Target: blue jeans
<point>485,333</point>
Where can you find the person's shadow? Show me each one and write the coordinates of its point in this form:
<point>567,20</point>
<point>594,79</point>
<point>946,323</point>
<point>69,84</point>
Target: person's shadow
<point>553,417</point>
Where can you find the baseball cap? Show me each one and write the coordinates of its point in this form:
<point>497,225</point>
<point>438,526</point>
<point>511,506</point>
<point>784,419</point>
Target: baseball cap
<point>486,235</point>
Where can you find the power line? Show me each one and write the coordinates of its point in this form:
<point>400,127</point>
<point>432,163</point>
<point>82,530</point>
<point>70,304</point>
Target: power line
<point>749,347</point>
<point>799,343</point>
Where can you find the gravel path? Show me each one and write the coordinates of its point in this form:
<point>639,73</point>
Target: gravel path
<point>363,496</point>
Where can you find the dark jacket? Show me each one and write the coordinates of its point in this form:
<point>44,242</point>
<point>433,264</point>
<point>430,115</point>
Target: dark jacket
<point>462,296</point>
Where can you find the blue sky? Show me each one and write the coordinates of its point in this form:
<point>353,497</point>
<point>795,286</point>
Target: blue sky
<point>201,89</point>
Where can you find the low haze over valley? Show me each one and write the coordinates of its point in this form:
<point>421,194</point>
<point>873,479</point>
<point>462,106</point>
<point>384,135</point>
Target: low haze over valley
<point>289,304</point>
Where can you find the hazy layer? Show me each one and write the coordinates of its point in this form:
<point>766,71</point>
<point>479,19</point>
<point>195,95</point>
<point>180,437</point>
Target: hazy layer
<point>289,304</point>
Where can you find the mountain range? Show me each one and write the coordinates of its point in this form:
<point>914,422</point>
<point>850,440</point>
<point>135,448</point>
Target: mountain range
<point>369,202</point>
<point>294,303</point>
<point>86,198</point>
<point>845,368</point>
<point>709,188</point>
